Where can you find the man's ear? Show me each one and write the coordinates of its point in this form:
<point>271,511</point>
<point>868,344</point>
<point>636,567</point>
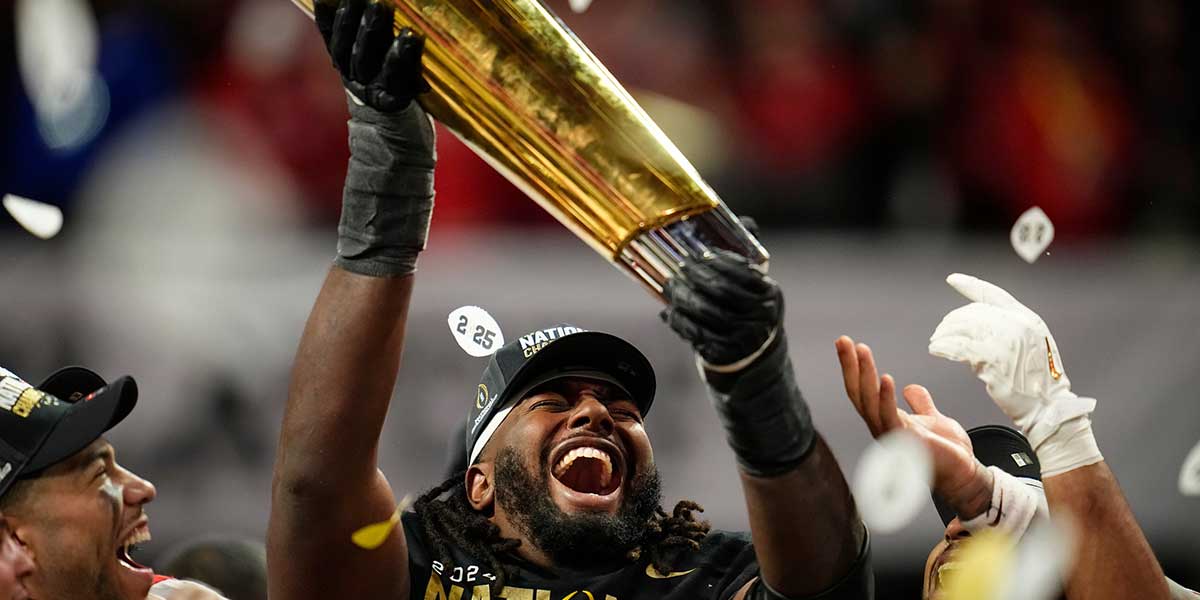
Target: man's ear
<point>481,492</point>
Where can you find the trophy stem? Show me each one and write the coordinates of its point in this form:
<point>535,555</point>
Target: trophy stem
<point>656,255</point>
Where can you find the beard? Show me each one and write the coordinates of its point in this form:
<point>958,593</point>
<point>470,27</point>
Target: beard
<point>574,541</point>
<point>63,578</point>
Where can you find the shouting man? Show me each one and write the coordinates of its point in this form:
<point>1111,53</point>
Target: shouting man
<point>65,498</point>
<point>560,498</point>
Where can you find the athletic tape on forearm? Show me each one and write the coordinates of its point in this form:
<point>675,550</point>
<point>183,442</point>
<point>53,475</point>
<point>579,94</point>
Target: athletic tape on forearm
<point>766,420</point>
<point>388,200</point>
<point>1070,447</point>
<point>1015,503</point>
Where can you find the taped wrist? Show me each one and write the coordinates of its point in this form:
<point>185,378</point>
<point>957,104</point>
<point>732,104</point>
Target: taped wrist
<point>767,422</point>
<point>388,199</point>
<point>1015,504</point>
<point>1056,412</point>
<point>1070,447</point>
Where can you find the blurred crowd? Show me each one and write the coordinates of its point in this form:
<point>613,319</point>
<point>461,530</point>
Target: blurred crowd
<point>956,114</point>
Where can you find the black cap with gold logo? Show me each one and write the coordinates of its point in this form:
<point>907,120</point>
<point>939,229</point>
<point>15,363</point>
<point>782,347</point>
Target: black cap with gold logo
<point>42,426</point>
<point>546,354</point>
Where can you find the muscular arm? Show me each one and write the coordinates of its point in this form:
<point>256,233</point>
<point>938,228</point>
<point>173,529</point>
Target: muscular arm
<point>806,531</point>
<point>326,484</point>
<point>996,334</point>
<point>807,535</point>
<point>1113,558</point>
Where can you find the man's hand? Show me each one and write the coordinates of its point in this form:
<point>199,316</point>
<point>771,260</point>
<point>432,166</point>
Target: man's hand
<point>807,534</point>
<point>727,308</point>
<point>388,200</point>
<point>958,477</point>
<point>379,69</point>
<point>1011,350</point>
<point>732,314</point>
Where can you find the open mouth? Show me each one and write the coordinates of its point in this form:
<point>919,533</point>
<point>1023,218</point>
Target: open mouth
<point>589,466</point>
<point>943,571</point>
<point>942,567</point>
<point>129,545</point>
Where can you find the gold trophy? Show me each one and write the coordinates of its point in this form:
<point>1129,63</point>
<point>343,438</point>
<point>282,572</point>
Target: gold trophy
<point>513,83</point>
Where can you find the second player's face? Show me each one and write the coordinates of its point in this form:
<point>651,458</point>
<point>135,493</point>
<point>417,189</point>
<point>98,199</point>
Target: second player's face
<point>15,565</point>
<point>587,437</point>
<point>78,522</point>
<point>941,556</point>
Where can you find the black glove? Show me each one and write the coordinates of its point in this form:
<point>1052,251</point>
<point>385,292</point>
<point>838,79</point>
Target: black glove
<point>381,69</point>
<point>388,200</point>
<point>732,314</point>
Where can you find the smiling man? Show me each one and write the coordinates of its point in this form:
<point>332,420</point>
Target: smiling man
<point>64,496</point>
<point>560,495</point>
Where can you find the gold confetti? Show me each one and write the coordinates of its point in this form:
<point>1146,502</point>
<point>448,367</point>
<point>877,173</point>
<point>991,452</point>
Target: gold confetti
<point>982,569</point>
<point>374,535</point>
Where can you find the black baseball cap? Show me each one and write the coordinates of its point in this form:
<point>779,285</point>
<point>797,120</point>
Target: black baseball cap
<point>1004,448</point>
<point>544,355</point>
<point>42,426</point>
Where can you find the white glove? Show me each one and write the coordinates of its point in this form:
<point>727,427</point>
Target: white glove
<point>1012,352</point>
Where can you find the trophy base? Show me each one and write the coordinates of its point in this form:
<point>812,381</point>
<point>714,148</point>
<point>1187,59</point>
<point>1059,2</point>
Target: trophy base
<point>656,255</point>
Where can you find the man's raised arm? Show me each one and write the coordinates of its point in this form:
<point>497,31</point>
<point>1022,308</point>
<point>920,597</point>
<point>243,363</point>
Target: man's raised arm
<point>807,534</point>
<point>1010,348</point>
<point>326,483</point>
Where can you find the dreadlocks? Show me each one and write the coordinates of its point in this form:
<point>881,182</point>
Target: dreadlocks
<point>455,519</point>
<point>667,538</point>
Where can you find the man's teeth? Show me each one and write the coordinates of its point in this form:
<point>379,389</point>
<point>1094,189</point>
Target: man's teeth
<point>139,536</point>
<point>586,452</point>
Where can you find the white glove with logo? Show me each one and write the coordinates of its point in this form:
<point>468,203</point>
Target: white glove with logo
<point>1011,350</point>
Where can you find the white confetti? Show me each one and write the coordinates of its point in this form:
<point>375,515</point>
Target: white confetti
<point>1189,475</point>
<point>476,332</point>
<point>57,48</point>
<point>1032,234</point>
<point>891,481</point>
<point>40,219</point>
<point>579,6</point>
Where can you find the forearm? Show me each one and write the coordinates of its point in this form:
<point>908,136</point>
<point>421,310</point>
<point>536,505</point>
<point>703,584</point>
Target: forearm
<point>1113,558</point>
<point>342,383</point>
<point>326,484</point>
<point>807,535</point>
<point>806,530</point>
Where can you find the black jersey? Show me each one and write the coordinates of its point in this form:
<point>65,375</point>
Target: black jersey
<point>724,564</point>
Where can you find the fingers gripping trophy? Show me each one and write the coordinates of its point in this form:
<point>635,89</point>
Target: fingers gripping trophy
<point>513,83</point>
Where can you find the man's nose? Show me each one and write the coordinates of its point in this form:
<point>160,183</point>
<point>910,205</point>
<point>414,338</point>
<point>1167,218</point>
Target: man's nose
<point>137,491</point>
<point>593,415</point>
<point>956,531</point>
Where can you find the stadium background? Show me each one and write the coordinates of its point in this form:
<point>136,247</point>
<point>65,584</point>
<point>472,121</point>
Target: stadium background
<point>881,146</point>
